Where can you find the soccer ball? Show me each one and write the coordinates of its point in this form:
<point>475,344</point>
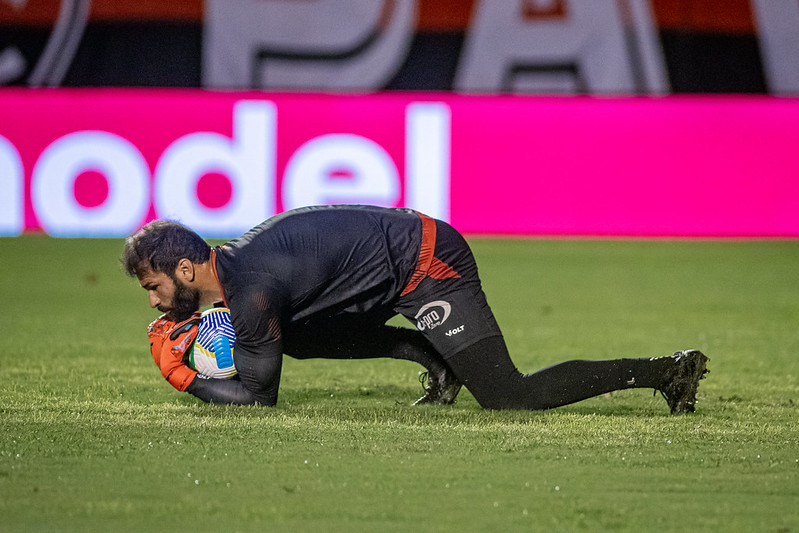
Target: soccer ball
<point>212,353</point>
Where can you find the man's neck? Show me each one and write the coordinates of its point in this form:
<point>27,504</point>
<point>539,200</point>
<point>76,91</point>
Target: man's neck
<point>205,281</point>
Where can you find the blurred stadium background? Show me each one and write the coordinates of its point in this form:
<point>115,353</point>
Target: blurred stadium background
<point>706,46</point>
<point>461,108</point>
<point>541,118</point>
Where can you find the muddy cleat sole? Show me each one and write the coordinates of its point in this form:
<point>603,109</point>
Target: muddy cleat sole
<point>441,389</point>
<point>680,391</point>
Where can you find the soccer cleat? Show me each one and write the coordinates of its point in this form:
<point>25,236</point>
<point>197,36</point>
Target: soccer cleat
<point>683,379</point>
<point>442,388</point>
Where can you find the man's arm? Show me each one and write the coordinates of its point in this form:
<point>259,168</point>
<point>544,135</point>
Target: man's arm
<point>256,302</point>
<point>259,381</point>
<point>220,391</point>
<point>247,390</point>
<point>258,367</point>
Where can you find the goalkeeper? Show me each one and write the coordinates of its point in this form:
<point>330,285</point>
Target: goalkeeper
<point>322,282</point>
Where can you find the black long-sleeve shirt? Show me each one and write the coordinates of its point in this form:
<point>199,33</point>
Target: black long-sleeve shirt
<point>300,265</point>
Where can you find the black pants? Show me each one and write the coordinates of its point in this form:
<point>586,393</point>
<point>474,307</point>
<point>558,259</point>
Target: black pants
<point>485,368</point>
<point>456,330</point>
<point>359,337</point>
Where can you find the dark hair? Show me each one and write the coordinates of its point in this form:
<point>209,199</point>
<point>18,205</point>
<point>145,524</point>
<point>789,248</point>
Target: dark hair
<point>160,245</point>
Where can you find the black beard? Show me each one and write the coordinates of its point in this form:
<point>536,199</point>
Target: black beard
<point>185,301</point>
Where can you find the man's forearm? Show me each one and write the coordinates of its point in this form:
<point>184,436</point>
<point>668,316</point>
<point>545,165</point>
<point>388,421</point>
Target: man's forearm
<point>225,392</point>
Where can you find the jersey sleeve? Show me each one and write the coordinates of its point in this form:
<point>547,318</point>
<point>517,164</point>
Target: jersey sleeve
<point>258,369</point>
<point>259,380</point>
<point>257,308</point>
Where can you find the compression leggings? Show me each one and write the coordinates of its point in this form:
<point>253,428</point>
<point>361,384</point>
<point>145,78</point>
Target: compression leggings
<point>486,369</point>
<point>345,340</point>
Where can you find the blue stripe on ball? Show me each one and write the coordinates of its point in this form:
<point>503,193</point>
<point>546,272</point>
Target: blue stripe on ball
<point>224,355</point>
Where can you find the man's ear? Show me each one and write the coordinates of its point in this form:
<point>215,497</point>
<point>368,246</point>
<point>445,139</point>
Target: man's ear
<point>185,271</point>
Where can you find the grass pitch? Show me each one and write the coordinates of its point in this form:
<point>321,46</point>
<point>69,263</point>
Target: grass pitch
<point>93,439</point>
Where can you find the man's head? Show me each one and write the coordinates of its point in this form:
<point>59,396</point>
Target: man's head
<point>162,256</point>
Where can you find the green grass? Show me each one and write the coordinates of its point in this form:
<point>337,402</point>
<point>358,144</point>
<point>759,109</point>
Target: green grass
<point>93,439</point>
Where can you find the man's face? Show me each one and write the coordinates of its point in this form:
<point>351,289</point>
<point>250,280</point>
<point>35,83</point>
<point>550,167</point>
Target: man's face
<point>169,295</point>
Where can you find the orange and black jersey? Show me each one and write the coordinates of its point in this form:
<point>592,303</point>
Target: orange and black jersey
<point>306,265</point>
<point>318,261</point>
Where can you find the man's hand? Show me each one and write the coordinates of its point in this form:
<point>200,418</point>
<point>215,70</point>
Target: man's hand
<point>169,345</point>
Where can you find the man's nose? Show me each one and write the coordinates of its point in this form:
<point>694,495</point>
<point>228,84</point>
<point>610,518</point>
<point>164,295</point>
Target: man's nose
<point>154,300</point>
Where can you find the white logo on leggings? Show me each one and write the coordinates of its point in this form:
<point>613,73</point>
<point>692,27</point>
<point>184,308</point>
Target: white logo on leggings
<point>432,315</point>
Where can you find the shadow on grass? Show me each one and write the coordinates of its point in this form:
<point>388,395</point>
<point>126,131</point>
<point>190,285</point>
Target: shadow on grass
<point>393,404</point>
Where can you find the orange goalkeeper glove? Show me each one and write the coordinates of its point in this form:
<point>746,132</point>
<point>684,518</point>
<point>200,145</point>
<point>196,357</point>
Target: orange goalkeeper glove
<point>170,343</point>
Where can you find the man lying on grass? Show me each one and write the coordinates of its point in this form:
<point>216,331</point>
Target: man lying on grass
<point>323,281</point>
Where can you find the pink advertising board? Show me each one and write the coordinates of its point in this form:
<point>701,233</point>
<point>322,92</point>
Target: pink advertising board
<point>102,162</point>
